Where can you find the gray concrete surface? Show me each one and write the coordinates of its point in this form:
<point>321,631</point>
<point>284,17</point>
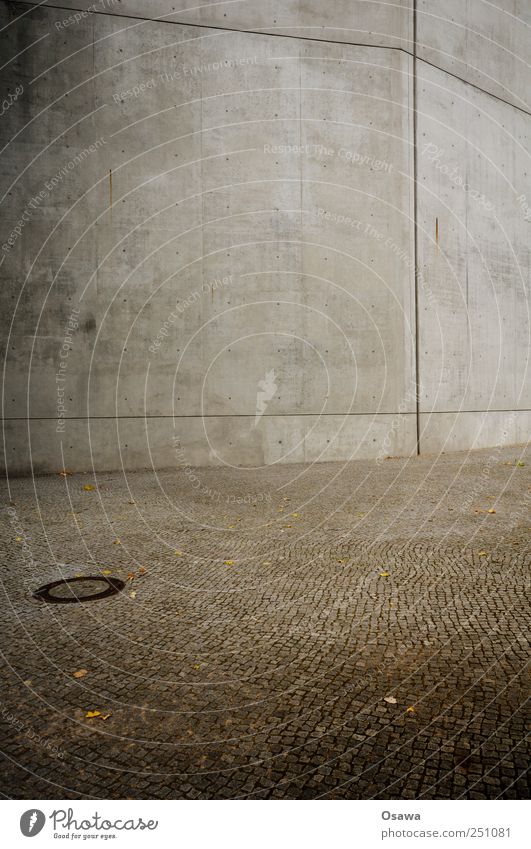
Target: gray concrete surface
<point>230,267</point>
<point>256,662</point>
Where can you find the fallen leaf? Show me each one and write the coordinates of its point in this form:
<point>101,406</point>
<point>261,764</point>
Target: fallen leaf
<point>117,542</point>
<point>28,682</point>
<point>390,700</point>
<point>80,673</point>
<point>133,594</point>
<point>492,510</point>
<point>105,715</point>
<point>130,576</point>
<point>106,571</point>
<point>295,515</point>
<point>178,553</point>
<point>92,714</point>
<point>197,666</point>
<point>228,562</point>
<point>342,560</point>
<point>88,487</point>
<point>410,709</point>
<point>18,539</point>
<point>385,574</point>
<point>520,464</point>
<point>483,553</point>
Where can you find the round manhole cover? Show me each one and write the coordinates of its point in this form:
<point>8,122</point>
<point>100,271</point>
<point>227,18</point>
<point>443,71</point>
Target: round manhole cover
<point>76,590</point>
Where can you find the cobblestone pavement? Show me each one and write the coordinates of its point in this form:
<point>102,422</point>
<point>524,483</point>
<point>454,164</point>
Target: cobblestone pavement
<point>336,631</point>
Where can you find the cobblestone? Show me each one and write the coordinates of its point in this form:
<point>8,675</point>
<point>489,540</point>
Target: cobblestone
<point>262,629</point>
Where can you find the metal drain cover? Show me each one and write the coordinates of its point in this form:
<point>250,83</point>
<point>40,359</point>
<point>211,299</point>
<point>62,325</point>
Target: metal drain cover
<point>76,590</point>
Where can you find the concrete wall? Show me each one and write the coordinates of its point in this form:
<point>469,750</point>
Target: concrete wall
<point>474,259</point>
<point>246,213</point>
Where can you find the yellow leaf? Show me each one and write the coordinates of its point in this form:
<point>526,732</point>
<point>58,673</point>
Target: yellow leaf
<point>228,562</point>
<point>295,515</point>
<point>106,571</point>
<point>385,575</point>
<point>492,510</point>
<point>197,666</point>
<point>88,487</point>
<point>520,464</point>
<point>80,673</point>
<point>266,563</point>
<point>91,714</point>
<point>483,553</point>
<point>117,542</point>
<point>105,716</point>
<point>410,709</point>
<point>178,553</point>
<point>133,594</point>
<point>18,539</point>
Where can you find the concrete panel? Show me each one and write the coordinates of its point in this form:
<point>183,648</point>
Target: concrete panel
<point>487,44</point>
<point>35,447</point>
<point>195,278</point>
<point>377,23</point>
<point>474,254</point>
<point>358,259</point>
<point>457,431</point>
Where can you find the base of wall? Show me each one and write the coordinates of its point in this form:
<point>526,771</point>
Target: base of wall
<point>468,431</point>
<point>36,447</point>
